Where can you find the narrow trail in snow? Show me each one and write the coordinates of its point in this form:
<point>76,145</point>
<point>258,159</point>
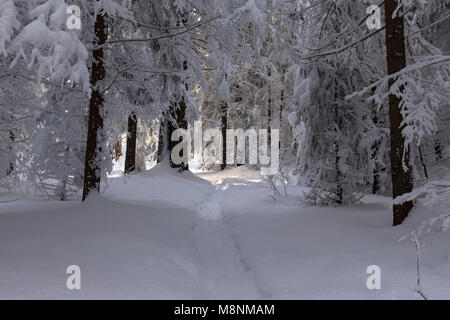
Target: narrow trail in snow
<point>263,288</point>
<point>224,272</point>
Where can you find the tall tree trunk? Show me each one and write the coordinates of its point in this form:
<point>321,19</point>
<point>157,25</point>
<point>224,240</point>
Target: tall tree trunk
<point>161,137</point>
<point>337,158</point>
<point>178,113</point>
<point>223,120</point>
<point>283,73</point>
<point>396,60</point>
<point>63,190</point>
<point>339,189</point>
<point>269,110</point>
<point>130,155</point>
<point>376,168</point>
<point>422,161</point>
<point>269,120</point>
<point>95,125</point>
<point>12,138</point>
<point>438,148</point>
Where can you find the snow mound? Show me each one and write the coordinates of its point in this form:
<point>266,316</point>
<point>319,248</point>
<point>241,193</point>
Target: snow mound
<point>160,184</point>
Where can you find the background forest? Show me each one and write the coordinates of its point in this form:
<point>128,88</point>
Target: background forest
<point>360,111</point>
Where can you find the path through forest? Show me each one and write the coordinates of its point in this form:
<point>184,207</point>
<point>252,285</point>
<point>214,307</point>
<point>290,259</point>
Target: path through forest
<point>164,235</point>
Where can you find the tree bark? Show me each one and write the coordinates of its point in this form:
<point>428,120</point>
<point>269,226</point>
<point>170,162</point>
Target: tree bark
<point>269,111</point>
<point>376,168</point>
<point>178,117</point>
<point>12,138</point>
<point>396,60</point>
<point>178,113</point>
<point>438,148</point>
<point>283,73</point>
<point>422,161</point>
<point>92,165</point>
<point>161,137</point>
<point>223,120</point>
<point>130,155</point>
<point>337,159</point>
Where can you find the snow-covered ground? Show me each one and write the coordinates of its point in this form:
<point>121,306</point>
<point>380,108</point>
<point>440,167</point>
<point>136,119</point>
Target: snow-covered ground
<point>162,235</point>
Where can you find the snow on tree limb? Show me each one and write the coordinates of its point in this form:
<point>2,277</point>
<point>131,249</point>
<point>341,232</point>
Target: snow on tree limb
<point>56,53</point>
<point>8,23</point>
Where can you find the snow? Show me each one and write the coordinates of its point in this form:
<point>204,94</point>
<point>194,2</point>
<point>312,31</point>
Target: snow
<point>52,48</point>
<point>166,235</point>
<point>8,22</point>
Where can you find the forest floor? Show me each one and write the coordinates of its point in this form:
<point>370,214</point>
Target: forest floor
<point>161,235</point>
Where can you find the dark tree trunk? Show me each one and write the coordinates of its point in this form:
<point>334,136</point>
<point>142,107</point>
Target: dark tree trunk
<point>130,156</point>
<point>376,180</point>
<point>438,148</point>
<point>177,120</point>
<point>396,60</point>
<point>339,190</point>
<point>422,161</point>
<point>12,138</point>
<point>269,111</point>
<point>269,122</point>
<point>376,167</point>
<point>223,120</point>
<point>376,184</point>
<point>337,159</point>
<point>379,167</point>
<point>161,137</point>
<point>178,114</point>
<point>172,119</point>
<point>95,125</point>
<point>281,104</point>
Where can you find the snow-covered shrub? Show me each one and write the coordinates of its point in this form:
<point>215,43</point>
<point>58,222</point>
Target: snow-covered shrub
<point>434,193</point>
<point>58,146</point>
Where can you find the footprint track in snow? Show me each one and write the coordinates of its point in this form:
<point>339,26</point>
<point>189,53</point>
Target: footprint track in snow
<point>224,273</point>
